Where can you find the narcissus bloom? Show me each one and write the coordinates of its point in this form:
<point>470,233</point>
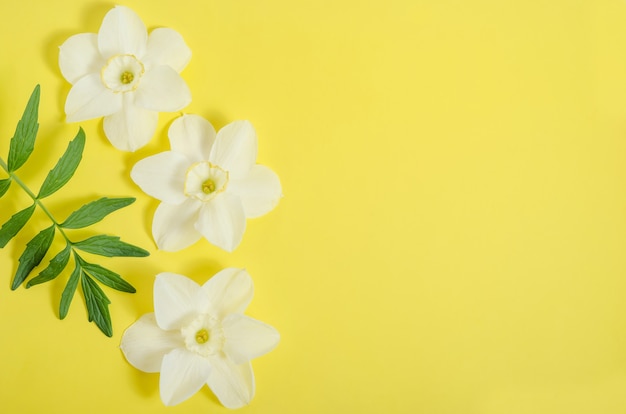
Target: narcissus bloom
<point>125,76</point>
<point>198,335</point>
<point>208,183</point>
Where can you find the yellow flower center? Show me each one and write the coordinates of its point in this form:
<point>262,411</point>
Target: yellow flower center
<point>204,181</point>
<point>202,336</point>
<point>127,77</point>
<point>208,186</point>
<point>122,73</point>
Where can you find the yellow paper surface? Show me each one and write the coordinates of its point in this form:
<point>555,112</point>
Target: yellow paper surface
<point>452,235</point>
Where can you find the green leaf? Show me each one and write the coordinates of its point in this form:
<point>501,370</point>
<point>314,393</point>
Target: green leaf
<point>110,246</point>
<point>97,305</point>
<point>107,277</point>
<point>4,186</point>
<point>94,212</point>
<point>56,266</point>
<point>15,224</point>
<point>68,292</point>
<point>33,254</point>
<point>65,167</point>
<point>23,142</point>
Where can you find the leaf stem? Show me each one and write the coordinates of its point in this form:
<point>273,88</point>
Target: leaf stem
<point>15,178</point>
<point>4,165</point>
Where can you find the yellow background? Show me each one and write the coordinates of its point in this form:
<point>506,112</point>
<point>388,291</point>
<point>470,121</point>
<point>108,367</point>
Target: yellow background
<point>452,235</point>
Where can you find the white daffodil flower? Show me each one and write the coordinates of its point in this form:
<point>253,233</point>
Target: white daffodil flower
<point>125,76</point>
<point>198,335</point>
<point>208,184</point>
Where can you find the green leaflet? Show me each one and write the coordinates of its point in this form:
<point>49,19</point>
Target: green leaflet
<point>95,211</point>
<point>65,167</point>
<point>23,142</point>
<point>15,224</point>
<point>110,246</point>
<point>107,277</point>
<point>56,266</point>
<point>35,250</point>
<point>68,292</point>
<point>97,305</point>
<point>4,186</point>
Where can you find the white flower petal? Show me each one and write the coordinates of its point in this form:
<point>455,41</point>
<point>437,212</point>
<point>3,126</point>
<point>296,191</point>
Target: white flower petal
<point>162,176</point>
<point>162,89</point>
<point>89,99</point>
<point>246,338</point>
<point>144,344</point>
<point>167,47</point>
<point>79,56</point>
<point>193,136</point>
<point>235,148</point>
<point>232,384</point>
<point>132,127</point>
<point>259,192</point>
<point>229,291</point>
<point>122,32</point>
<point>177,300</point>
<point>183,373</point>
<point>222,221</point>
<point>173,226</point>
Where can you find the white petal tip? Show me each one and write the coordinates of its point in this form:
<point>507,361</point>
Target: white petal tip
<point>166,246</point>
<point>229,249</point>
<point>168,400</point>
